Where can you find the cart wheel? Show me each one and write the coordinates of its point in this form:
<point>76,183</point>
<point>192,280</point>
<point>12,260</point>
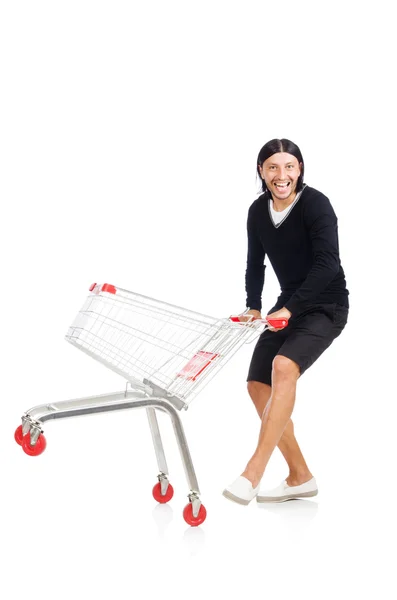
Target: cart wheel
<point>156,491</point>
<point>35,450</point>
<point>190,519</point>
<point>18,435</point>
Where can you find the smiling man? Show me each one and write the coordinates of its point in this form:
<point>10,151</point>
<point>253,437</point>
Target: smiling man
<point>295,226</point>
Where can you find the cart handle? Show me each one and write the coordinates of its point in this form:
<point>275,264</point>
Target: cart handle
<point>277,323</point>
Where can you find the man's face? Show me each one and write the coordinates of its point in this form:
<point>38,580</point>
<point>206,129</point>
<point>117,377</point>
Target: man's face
<point>281,172</point>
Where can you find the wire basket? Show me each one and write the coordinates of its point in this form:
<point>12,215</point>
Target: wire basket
<point>152,342</point>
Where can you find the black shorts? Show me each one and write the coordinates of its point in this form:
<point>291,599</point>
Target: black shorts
<point>303,340</point>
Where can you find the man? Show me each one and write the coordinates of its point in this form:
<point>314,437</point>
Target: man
<point>295,226</point>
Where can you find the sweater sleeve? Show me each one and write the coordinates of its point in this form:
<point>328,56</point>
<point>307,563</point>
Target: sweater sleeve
<point>255,272</point>
<point>322,227</point>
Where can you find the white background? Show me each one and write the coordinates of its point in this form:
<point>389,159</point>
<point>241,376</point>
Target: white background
<point>129,137</point>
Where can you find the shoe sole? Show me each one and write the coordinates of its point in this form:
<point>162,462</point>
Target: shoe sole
<point>234,498</point>
<point>268,499</point>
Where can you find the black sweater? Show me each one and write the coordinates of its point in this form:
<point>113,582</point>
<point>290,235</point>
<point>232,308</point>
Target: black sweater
<point>303,251</point>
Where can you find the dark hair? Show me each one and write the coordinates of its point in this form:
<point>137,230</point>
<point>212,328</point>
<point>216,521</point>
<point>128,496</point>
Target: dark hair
<point>275,146</point>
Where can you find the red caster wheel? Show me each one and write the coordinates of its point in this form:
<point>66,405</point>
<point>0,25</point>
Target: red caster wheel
<point>18,435</point>
<point>35,450</point>
<point>190,519</point>
<point>158,496</point>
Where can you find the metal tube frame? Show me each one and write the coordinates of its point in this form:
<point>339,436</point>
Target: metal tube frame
<point>33,419</point>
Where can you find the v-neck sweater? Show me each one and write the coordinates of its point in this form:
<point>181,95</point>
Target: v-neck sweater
<point>303,250</point>
<point>278,216</point>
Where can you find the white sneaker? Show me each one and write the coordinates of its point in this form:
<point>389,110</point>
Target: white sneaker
<point>241,491</point>
<point>286,492</point>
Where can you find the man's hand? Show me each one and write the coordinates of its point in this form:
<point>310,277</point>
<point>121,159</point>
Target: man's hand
<point>283,313</point>
<point>254,313</point>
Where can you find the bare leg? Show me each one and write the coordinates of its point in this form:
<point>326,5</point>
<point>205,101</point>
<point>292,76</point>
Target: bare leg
<point>298,470</point>
<point>275,417</point>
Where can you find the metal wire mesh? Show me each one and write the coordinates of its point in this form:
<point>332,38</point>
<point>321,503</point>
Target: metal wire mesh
<point>145,339</point>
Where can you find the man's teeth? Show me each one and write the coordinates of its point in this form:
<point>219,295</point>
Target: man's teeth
<point>281,184</point>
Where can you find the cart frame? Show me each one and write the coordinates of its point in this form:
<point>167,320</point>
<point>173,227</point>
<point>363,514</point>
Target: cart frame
<point>146,394</point>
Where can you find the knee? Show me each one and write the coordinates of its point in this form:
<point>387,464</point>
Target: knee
<point>256,388</point>
<point>252,388</point>
<point>285,368</point>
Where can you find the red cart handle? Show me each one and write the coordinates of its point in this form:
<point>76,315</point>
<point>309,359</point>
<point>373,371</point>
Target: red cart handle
<point>277,323</point>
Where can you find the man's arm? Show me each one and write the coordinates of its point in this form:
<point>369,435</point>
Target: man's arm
<point>255,272</point>
<point>322,226</point>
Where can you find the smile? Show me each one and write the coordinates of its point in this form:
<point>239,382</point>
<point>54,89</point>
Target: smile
<point>282,185</point>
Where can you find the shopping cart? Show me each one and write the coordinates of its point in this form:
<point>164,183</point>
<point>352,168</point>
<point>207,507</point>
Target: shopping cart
<point>166,353</point>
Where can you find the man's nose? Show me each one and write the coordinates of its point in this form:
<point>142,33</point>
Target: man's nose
<point>282,173</point>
